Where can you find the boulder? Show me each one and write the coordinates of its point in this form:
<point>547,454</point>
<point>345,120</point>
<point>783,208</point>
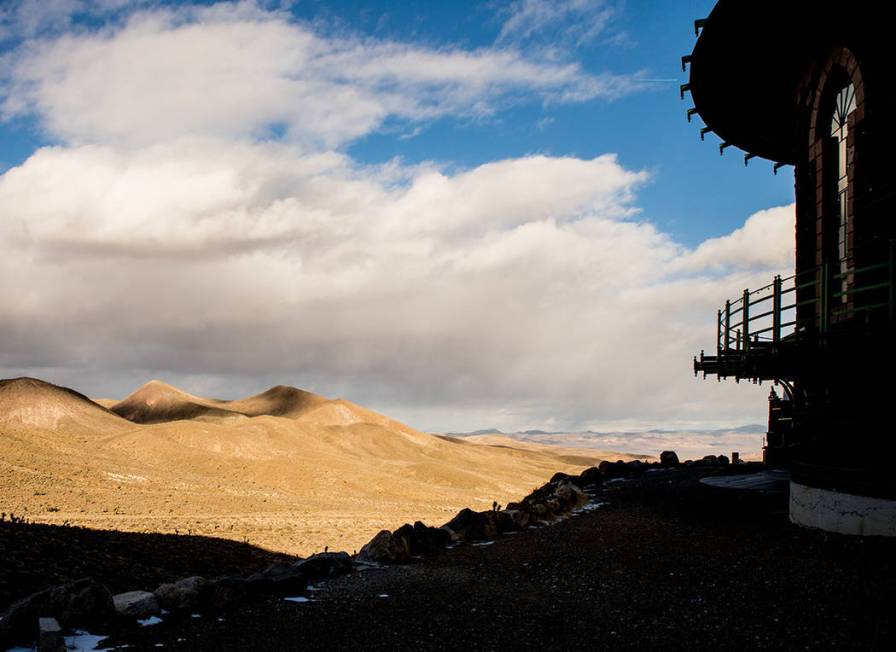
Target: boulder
<point>421,539</point>
<point>669,458</point>
<point>84,602</point>
<point>436,537</point>
<point>617,469</point>
<point>540,511</point>
<point>559,476</point>
<point>513,520</point>
<point>278,579</point>
<point>139,604</point>
<point>226,591</point>
<point>49,636</point>
<point>324,566</point>
<point>570,496</point>
<point>188,594</point>
<point>474,526</point>
<point>590,477</point>
<point>579,497</point>
<point>635,467</point>
<point>385,549</point>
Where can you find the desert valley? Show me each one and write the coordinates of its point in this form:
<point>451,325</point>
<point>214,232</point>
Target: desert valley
<point>286,470</point>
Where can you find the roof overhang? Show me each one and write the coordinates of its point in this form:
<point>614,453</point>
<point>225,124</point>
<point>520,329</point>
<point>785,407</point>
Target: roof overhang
<point>750,58</point>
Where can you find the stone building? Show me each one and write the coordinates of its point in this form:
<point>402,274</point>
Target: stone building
<point>810,84</point>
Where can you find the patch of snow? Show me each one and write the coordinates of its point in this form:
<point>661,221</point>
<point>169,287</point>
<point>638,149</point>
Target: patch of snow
<point>298,598</point>
<point>615,480</point>
<point>311,587</point>
<point>195,615</point>
<point>483,543</point>
<point>149,622</point>
<point>84,641</point>
<point>588,507</point>
<point>367,565</point>
<point>383,595</point>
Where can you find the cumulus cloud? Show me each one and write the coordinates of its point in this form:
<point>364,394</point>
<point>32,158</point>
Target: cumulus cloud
<point>765,241</point>
<point>238,70</point>
<point>517,290</point>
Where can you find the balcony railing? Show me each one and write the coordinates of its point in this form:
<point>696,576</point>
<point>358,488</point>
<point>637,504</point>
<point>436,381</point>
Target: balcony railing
<point>800,307</point>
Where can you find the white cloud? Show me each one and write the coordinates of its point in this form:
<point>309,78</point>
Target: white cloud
<point>506,293</point>
<point>25,19</point>
<point>579,21</point>
<point>239,71</point>
<point>766,240</point>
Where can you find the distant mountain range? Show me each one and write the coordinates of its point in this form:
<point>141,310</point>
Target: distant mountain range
<point>750,428</point>
<point>746,440</point>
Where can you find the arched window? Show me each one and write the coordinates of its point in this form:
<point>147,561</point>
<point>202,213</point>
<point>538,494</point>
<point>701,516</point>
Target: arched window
<point>844,105</point>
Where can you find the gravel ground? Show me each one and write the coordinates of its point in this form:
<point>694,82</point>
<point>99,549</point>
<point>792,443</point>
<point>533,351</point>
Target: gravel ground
<point>36,556</point>
<point>665,564</point>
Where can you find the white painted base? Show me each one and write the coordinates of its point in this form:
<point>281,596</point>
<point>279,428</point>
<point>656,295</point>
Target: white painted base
<point>843,513</point>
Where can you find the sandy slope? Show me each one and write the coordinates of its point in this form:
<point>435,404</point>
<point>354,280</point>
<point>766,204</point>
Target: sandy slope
<point>286,469</point>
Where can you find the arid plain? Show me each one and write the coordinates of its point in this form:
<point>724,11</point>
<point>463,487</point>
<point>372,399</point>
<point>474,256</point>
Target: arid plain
<point>286,469</point>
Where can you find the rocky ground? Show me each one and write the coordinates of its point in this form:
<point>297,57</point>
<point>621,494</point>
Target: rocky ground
<point>664,563</point>
<point>38,556</point>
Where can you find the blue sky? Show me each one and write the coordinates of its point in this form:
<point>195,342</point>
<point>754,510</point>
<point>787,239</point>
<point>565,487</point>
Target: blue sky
<point>464,214</point>
<point>647,129</point>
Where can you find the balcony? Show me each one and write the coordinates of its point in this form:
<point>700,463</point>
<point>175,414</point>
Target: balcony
<point>766,334</point>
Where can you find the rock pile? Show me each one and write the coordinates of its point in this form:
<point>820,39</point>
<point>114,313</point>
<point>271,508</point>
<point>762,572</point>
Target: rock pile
<point>84,602</point>
<point>87,603</point>
<point>404,544</point>
<point>559,496</point>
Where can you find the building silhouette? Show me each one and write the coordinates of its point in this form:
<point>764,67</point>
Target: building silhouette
<point>810,84</point>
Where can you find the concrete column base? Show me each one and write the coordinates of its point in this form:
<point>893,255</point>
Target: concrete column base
<point>834,511</point>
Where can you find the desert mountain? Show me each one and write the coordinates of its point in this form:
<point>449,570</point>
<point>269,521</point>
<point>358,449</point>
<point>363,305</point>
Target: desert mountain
<point>285,469</point>
<point>157,402</point>
<point>29,403</point>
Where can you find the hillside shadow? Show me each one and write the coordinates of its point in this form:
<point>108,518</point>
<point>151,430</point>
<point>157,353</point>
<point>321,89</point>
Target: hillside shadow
<point>38,556</point>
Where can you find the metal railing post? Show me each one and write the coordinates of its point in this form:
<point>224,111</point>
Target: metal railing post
<point>719,332</point>
<point>746,320</point>
<point>728,324</point>
<point>776,310</point>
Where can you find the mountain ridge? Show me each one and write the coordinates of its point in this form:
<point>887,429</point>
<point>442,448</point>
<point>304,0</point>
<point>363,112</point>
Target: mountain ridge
<point>286,469</point>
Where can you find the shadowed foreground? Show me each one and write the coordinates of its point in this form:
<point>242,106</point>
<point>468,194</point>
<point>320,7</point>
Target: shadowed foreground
<point>662,566</point>
<point>39,556</point>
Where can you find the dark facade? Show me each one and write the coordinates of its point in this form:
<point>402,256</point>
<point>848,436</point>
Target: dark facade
<point>811,85</point>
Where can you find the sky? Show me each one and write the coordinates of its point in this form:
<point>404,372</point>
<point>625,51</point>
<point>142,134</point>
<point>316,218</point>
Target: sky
<point>464,215</point>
